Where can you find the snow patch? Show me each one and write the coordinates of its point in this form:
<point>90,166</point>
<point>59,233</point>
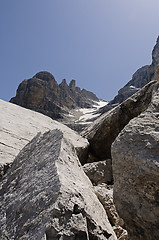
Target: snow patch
<point>90,113</point>
<point>133,87</point>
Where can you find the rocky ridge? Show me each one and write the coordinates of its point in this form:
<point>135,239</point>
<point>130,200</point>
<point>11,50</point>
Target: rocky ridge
<point>139,79</point>
<point>42,93</point>
<point>135,157</point>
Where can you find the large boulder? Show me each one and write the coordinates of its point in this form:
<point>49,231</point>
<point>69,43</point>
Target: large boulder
<point>99,172</point>
<point>20,125</point>
<point>105,195</point>
<point>102,133</point>
<point>46,195</point>
<point>135,158</point>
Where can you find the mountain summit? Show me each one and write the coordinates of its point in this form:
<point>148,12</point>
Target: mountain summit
<point>43,94</point>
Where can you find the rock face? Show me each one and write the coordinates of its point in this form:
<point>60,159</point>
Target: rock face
<point>42,93</point>
<point>19,125</point>
<point>105,195</point>
<point>99,172</point>
<point>102,133</point>
<point>46,195</point>
<point>139,79</point>
<point>135,157</point>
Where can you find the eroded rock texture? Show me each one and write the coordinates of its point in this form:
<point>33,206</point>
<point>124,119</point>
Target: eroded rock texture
<point>43,94</point>
<point>102,133</point>
<point>46,195</point>
<point>105,195</point>
<point>99,172</point>
<point>139,79</point>
<point>19,125</point>
<point>135,158</point>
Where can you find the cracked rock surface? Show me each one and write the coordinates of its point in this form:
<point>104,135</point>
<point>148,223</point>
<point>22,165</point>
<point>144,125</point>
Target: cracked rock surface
<point>19,125</point>
<point>135,158</point>
<point>46,195</point>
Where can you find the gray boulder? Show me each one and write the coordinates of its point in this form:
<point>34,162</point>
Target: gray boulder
<point>99,172</point>
<point>46,195</point>
<point>102,133</point>
<point>20,125</point>
<point>105,195</point>
<point>135,158</point>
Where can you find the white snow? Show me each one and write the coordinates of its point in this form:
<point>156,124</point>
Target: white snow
<point>133,87</point>
<point>90,113</point>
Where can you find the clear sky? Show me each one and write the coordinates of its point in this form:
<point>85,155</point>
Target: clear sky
<point>99,43</point>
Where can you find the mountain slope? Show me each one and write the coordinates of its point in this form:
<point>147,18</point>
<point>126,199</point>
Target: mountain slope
<point>42,93</point>
<point>140,78</point>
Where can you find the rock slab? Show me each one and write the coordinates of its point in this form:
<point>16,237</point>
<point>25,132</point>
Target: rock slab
<point>19,125</point>
<point>46,195</point>
<point>135,158</point>
<point>102,133</point>
<point>99,172</point>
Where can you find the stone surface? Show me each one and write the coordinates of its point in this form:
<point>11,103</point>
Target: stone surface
<point>105,194</point>
<point>139,79</point>
<point>46,195</point>
<point>102,133</point>
<point>135,158</point>
<point>99,172</point>
<point>19,125</point>
<point>42,93</point>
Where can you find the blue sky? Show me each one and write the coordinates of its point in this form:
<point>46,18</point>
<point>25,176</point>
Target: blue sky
<point>99,43</point>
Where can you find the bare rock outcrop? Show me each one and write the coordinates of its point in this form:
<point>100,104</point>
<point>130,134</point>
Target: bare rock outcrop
<point>43,94</point>
<point>105,195</point>
<point>102,133</point>
<point>99,172</point>
<point>46,195</point>
<point>139,79</point>
<point>135,158</point>
<point>19,125</point>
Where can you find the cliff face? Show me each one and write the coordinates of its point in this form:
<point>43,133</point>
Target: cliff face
<point>42,93</point>
<point>136,172</point>
<point>140,78</point>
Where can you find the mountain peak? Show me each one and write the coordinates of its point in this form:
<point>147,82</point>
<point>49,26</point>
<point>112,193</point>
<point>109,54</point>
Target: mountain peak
<point>44,75</point>
<point>72,85</point>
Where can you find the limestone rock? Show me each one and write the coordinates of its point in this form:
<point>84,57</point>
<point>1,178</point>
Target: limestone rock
<point>19,125</point>
<point>155,53</point>
<point>42,93</point>
<point>139,79</point>
<point>102,133</point>
<point>135,158</point>
<point>105,195</point>
<point>46,195</point>
<point>99,172</point>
